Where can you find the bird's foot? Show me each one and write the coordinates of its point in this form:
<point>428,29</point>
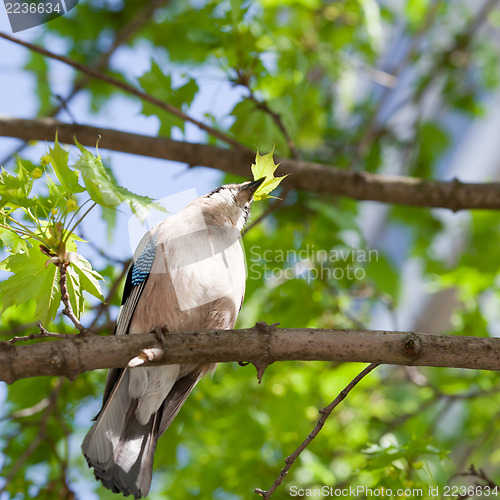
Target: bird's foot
<point>160,332</point>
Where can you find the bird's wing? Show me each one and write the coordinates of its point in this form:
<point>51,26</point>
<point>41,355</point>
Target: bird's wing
<point>137,278</point>
<point>176,397</point>
<point>133,463</point>
<point>122,467</point>
<point>118,447</point>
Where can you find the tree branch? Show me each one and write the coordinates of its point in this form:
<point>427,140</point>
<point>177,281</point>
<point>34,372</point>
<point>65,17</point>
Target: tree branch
<point>325,413</point>
<point>99,75</point>
<point>68,309</point>
<point>262,105</point>
<point>373,128</point>
<point>480,474</point>
<point>42,335</point>
<point>257,345</point>
<point>308,176</point>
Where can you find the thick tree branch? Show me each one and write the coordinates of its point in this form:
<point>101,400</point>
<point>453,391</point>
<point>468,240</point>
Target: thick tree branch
<point>257,345</point>
<point>308,176</point>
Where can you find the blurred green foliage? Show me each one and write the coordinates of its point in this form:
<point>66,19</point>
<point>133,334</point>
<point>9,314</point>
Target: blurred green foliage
<point>318,66</point>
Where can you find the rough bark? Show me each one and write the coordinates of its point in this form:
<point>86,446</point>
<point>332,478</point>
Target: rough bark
<point>314,177</point>
<point>260,345</point>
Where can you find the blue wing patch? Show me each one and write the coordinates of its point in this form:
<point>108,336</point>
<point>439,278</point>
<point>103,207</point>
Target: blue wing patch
<point>142,266</point>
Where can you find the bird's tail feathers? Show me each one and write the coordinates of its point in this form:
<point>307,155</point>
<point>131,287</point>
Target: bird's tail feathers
<point>118,447</point>
<point>176,398</point>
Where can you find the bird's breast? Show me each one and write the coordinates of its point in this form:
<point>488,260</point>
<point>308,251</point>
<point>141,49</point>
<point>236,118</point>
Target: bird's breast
<point>197,282</point>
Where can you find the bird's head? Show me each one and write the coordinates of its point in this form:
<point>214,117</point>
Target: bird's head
<point>231,203</point>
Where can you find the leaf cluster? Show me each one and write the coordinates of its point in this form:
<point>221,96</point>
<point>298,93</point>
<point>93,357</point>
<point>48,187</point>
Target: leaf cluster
<point>41,206</point>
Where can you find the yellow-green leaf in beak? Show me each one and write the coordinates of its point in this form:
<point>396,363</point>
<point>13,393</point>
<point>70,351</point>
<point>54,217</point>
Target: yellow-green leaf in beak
<point>264,167</point>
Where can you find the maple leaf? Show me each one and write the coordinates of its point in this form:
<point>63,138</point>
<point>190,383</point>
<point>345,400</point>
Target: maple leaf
<point>264,167</point>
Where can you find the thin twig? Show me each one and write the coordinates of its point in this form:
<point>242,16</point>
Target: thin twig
<point>72,230</point>
<point>243,79</point>
<point>14,330</point>
<point>68,309</point>
<point>89,242</point>
<point>487,431</point>
<point>29,412</point>
<point>262,105</point>
<point>64,105</point>
<point>461,43</point>
<point>99,75</point>
<point>437,397</point>
<point>42,335</point>
<point>343,311</point>
<point>325,413</point>
<point>122,36</point>
<point>480,474</point>
<point>372,127</point>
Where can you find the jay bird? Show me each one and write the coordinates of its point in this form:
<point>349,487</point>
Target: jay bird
<point>188,274</point>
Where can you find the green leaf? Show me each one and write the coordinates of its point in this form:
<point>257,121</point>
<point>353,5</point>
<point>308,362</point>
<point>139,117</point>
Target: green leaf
<point>74,291</point>
<point>433,141</point>
<point>102,187</point>
<point>264,167</point>
<point>97,180</point>
<point>383,273</point>
<point>32,280</point>
<point>88,277</point>
<point>108,215</point>
<point>12,240</point>
<point>156,83</point>
<point>38,65</point>
<point>254,126</point>
<point>15,190</point>
<point>67,177</point>
<point>415,11</point>
<point>36,279</point>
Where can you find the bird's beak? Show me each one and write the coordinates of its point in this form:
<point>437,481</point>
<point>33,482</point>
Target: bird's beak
<point>252,186</point>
